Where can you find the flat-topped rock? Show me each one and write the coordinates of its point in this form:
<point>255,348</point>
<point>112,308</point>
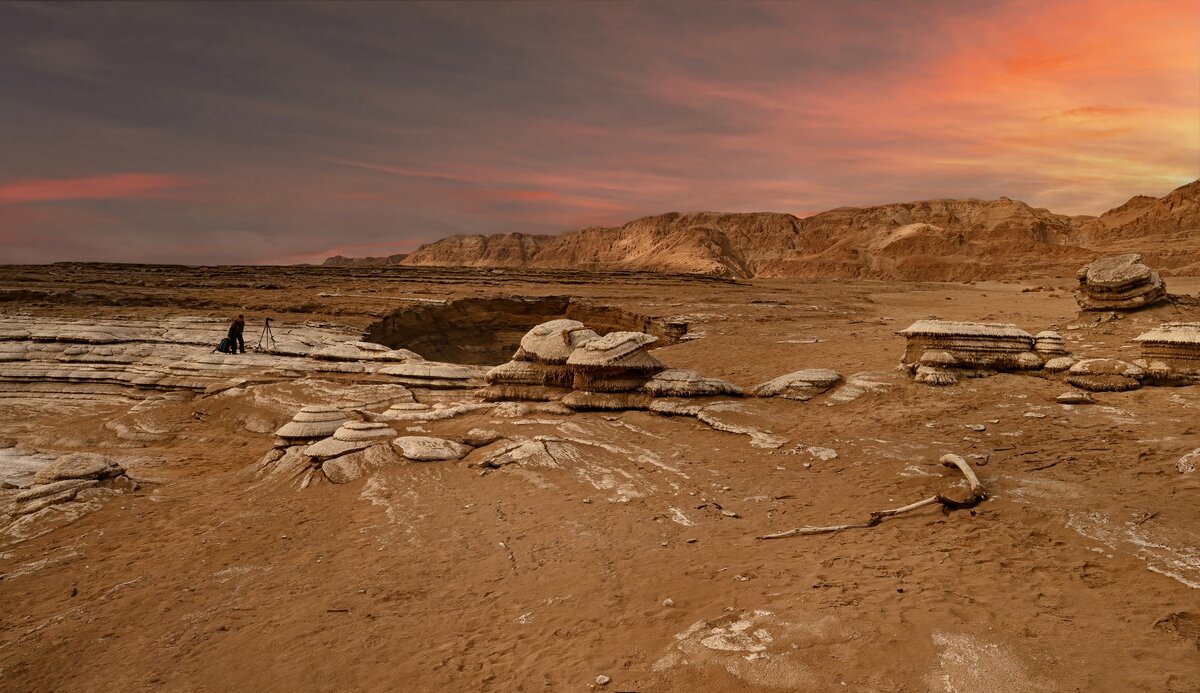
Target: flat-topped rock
<point>800,385</point>
<point>79,465</point>
<point>679,382</point>
<point>1117,272</point>
<point>1105,375</point>
<point>364,351</point>
<point>1171,352</point>
<point>1122,282</point>
<point>957,328</point>
<point>430,449</point>
<point>616,349</point>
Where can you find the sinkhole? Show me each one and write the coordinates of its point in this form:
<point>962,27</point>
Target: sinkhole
<point>486,331</point>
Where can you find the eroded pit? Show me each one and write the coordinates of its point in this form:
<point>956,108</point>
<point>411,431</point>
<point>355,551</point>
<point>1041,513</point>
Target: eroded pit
<point>486,331</point>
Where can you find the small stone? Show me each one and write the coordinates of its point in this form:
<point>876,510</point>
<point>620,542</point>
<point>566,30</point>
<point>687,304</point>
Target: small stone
<point>729,513</point>
<point>587,500</point>
<point>977,427</point>
<point>603,680</point>
<point>668,602</point>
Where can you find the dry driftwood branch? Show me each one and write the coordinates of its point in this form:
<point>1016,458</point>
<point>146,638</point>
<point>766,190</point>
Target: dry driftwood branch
<point>974,496</point>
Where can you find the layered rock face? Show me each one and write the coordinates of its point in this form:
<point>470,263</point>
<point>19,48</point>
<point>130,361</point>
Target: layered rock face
<point>938,351</point>
<point>1171,352</point>
<point>934,240</point>
<point>1123,282</point>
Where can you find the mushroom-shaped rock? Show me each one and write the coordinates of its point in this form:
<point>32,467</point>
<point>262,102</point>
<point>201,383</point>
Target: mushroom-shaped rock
<point>616,349</point>
<point>1059,364</point>
<point>678,382</point>
<point>351,436</point>
<point>1105,375</point>
<point>801,385</point>
<point>429,449</point>
<point>312,422</point>
<point>554,341</point>
<point>1122,282</point>
<point>1049,343</point>
<point>616,362</point>
<point>79,465</point>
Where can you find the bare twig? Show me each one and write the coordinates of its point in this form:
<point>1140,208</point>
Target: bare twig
<point>974,496</point>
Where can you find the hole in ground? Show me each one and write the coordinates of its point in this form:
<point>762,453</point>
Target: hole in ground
<point>486,331</point>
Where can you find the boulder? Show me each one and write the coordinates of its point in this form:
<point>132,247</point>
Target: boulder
<point>1122,282</point>
<point>801,385</point>
<point>553,342</point>
<point>79,465</point>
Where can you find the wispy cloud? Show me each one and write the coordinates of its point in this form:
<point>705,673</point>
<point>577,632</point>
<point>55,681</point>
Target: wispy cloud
<point>279,132</point>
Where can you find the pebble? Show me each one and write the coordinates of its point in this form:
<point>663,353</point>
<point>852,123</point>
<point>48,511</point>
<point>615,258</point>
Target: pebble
<point>668,602</point>
<point>977,427</point>
<point>587,500</point>
<point>602,680</point>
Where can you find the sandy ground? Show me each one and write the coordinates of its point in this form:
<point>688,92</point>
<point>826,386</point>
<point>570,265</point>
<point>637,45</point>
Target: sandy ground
<point>1080,573</point>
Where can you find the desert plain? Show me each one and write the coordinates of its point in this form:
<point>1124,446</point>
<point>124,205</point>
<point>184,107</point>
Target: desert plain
<point>605,550</point>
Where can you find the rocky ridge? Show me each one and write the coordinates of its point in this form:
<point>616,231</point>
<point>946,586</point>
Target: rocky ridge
<point>935,240</point>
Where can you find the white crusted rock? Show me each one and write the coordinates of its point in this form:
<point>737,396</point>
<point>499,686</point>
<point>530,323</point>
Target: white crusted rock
<point>801,385</point>
<point>429,449</point>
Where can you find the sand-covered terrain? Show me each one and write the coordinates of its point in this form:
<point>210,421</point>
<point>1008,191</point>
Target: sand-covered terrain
<point>558,548</point>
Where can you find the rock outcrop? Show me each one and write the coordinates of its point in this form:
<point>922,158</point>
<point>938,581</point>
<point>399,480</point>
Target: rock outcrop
<point>1170,353</point>
<point>938,352</point>
<point>1122,282</point>
<point>800,385</point>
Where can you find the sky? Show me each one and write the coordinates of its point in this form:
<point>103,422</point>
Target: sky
<point>246,133</point>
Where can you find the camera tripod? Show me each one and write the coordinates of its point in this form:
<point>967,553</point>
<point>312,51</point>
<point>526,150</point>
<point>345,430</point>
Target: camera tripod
<point>266,340</point>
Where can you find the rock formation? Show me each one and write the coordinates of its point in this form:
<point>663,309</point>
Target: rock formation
<point>312,422</point>
<point>66,478</point>
<point>939,351</point>
<point>1105,375</point>
<point>940,240</point>
<point>1118,283</point>
<point>801,385</point>
<point>616,362</point>
<point>1170,353</point>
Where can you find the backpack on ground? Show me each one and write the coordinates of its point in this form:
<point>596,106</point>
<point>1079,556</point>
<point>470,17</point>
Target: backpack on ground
<point>226,346</point>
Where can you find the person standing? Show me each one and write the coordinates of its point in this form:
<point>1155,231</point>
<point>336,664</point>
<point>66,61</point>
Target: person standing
<point>236,343</point>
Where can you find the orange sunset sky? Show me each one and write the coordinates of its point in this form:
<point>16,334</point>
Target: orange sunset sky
<point>267,133</point>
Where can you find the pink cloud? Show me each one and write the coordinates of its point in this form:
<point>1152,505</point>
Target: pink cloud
<point>113,186</point>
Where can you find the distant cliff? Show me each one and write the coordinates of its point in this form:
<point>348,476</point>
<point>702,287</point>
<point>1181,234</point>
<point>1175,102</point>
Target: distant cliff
<point>934,240</point>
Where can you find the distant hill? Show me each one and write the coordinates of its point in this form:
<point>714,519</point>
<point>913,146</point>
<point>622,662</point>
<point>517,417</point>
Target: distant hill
<point>934,240</point>
<point>343,261</point>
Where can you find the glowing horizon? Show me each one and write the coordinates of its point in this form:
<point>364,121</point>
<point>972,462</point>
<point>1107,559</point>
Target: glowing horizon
<point>189,133</point>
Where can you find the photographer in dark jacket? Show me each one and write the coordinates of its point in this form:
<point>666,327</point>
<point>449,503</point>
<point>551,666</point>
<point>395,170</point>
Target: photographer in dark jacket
<point>236,343</point>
